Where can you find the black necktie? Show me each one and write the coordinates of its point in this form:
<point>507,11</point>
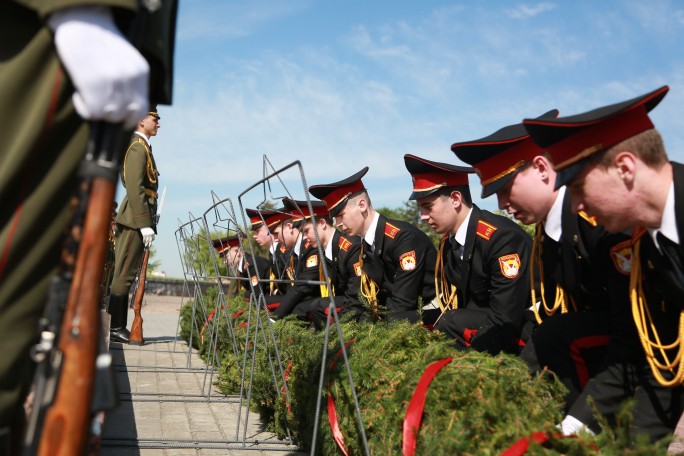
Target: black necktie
<point>670,251</point>
<point>457,249</point>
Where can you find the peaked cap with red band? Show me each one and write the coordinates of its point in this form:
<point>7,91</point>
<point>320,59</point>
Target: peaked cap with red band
<point>429,177</point>
<point>300,209</point>
<point>223,244</point>
<point>257,218</point>
<point>498,157</point>
<point>337,194</point>
<point>573,140</point>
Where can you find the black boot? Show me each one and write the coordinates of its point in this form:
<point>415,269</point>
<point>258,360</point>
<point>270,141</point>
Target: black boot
<point>118,309</point>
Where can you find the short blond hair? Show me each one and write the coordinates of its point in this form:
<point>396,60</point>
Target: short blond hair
<point>648,146</point>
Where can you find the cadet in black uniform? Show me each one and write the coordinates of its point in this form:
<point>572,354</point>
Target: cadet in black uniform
<point>233,254</point>
<point>583,269</point>
<point>262,222</point>
<point>342,259</point>
<point>302,266</point>
<point>616,168</point>
<point>397,259</point>
<point>482,277</point>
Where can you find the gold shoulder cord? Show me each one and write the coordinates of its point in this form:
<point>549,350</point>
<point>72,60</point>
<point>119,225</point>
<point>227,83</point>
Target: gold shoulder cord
<point>561,298</point>
<point>290,269</point>
<point>149,167</point>
<point>646,327</point>
<point>272,286</point>
<point>447,299</point>
<point>324,285</point>
<point>369,289</point>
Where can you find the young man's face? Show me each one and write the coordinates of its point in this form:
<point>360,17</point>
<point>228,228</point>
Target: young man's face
<point>277,232</point>
<point>600,192</point>
<point>149,126</point>
<point>308,233</point>
<point>350,219</point>
<point>233,256</point>
<point>262,236</point>
<point>527,197</point>
<point>438,212</point>
<point>289,234</point>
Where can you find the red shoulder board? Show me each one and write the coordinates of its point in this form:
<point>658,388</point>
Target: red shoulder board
<point>590,219</point>
<point>637,233</point>
<point>283,249</point>
<point>307,244</point>
<point>344,244</point>
<point>485,230</point>
<point>391,230</point>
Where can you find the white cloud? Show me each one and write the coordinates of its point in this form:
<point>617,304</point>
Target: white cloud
<point>527,11</point>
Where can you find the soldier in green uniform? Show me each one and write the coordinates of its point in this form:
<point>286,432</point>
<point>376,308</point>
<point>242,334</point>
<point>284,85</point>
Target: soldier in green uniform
<point>52,79</point>
<point>135,222</point>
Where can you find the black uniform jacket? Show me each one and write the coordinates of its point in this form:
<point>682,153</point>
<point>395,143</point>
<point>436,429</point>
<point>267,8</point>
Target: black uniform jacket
<point>280,262</point>
<point>306,268</point>
<point>345,269</point>
<point>663,282</point>
<point>494,273</point>
<point>256,275</point>
<point>403,266</point>
<point>592,265</point>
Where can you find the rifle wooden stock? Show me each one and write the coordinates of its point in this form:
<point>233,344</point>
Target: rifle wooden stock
<point>66,422</point>
<point>136,337</point>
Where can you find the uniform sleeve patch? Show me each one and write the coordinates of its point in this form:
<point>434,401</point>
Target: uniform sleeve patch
<point>407,261</point>
<point>391,230</point>
<point>283,249</point>
<point>485,230</point>
<point>357,269</point>
<point>344,244</point>
<point>312,261</point>
<point>591,220</point>
<point>510,265</point>
<point>307,244</point>
<point>255,280</point>
<point>622,256</point>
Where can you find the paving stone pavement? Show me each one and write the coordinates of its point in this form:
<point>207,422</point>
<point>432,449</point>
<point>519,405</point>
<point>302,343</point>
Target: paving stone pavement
<point>163,403</point>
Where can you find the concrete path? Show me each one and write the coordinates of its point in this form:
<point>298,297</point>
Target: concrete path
<point>167,408</point>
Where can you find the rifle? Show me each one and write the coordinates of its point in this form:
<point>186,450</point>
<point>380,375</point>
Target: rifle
<point>63,407</point>
<point>136,337</point>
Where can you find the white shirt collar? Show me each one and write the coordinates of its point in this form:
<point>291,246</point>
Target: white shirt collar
<point>328,249</point>
<point>668,224</point>
<point>553,224</point>
<point>369,237</point>
<point>241,265</point>
<point>463,229</point>
<point>273,247</point>
<point>298,244</point>
<point>147,140</point>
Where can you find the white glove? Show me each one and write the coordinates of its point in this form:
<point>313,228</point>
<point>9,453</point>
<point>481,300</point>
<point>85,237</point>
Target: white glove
<point>573,426</point>
<point>148,235</point>
<point>109,74</point>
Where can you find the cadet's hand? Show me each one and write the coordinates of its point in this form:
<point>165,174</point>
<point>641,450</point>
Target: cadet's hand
<point>147,235</point>
<point>109,74</point>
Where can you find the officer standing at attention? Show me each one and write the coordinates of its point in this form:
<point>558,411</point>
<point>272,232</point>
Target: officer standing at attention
<point>482,267</point>
<point>135,222</point>
<point>614,163</point>
<point>397,259</point>
<point>583,270</point>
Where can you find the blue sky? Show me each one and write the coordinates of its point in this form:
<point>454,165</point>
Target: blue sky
<point>340,85</point>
